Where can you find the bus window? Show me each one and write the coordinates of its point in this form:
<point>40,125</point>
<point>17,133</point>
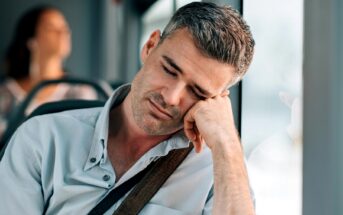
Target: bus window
<point>180,3</point>
<point>272,105</point>
<point>156,17</point>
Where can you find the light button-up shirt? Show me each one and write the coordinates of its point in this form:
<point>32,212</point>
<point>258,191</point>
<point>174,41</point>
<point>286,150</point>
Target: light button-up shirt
<point>58,164</point>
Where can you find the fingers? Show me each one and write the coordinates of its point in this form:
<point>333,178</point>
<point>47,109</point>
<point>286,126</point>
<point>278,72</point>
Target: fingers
<point>225,93</point>
<point>189,128</point>
<point>197,146</point>
<point>199,141</point>
<point>192,133</point>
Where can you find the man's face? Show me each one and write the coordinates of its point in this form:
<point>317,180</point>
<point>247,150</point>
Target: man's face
<point>174,76</point>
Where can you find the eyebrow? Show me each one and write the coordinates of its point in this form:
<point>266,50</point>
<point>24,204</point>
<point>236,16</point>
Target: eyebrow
<point>176,67</point>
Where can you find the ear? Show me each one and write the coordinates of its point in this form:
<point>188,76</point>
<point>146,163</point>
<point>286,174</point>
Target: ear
<point>31,44</point>
<point>150,45</point>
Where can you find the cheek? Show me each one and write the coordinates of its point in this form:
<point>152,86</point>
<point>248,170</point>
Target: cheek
<point>140,84</point>
<point>187,104</point>
<point>45,42</point>
<point>149,79</point>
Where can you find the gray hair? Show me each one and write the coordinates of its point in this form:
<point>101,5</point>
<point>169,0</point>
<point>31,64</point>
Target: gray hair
<point>218,32</point>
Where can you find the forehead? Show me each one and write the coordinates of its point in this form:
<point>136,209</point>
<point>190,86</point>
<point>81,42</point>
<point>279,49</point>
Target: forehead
<point>51,17</point>
<point>196,66</point>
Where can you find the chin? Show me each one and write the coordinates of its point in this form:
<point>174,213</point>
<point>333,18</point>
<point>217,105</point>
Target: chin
<point>64,53</point>
<point>155,127</point>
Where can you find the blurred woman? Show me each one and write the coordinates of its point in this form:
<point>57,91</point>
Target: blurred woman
<point>40,44</point>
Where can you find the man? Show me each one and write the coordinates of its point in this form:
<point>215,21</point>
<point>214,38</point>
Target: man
<point>67,162</point>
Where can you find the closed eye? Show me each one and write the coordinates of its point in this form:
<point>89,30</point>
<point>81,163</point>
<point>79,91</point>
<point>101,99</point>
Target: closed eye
<point>200,97</point>
<point>174,74</point>
<point>168,71</point>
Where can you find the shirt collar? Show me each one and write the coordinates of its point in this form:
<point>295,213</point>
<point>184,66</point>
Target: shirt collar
<point>98,151</point>
<point>176,141</point>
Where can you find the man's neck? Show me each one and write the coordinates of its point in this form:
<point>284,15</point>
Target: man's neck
<point>126,141</point>
<point>125,134</point>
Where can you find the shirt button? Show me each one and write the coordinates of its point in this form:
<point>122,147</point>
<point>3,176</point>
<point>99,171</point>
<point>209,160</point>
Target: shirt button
<point>92,160</point>
<point>106,177</point>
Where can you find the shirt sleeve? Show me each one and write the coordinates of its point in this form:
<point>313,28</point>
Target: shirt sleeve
<point>20,181</point>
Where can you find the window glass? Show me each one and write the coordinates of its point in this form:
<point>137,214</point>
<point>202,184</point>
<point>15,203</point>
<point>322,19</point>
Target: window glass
<point>272,105</point>
<point>180,3</point>
<point>156,17</point>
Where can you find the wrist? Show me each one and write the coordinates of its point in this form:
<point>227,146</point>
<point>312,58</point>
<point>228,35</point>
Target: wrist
<point>227,147</point>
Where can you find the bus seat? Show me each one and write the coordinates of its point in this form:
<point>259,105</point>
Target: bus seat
<point>57,106</point>
<point>18,115</point>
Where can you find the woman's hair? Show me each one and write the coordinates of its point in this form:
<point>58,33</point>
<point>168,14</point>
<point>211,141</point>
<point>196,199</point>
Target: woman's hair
<point>18,56</point>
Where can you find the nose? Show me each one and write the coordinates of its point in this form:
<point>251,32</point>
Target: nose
<point>173,94</point>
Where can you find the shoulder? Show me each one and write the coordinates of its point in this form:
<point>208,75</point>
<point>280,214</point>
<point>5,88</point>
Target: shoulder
<point>48,127</point>
<point>78,117</point>
<point>46,133</point>
<point>6,90</point>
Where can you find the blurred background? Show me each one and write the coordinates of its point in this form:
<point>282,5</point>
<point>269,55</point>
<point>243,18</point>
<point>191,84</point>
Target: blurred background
<point>287,109</point>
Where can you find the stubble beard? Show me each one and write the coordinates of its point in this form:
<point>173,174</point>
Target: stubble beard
<point>151,125</point>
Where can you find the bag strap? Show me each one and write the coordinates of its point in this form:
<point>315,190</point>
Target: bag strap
<point>118,192</point>
<point>151,182</point>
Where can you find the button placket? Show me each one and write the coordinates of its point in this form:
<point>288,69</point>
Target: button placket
<point>106,177</point>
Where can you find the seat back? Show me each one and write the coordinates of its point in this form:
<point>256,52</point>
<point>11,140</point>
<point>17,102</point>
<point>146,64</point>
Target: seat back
<point>64,105</point>
<point>18,115</point>
<point>54,107</point>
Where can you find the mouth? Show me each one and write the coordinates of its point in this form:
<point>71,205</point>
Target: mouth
<point>159,111</point>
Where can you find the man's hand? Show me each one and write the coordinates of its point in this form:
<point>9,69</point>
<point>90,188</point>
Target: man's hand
<point>211,121</point>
